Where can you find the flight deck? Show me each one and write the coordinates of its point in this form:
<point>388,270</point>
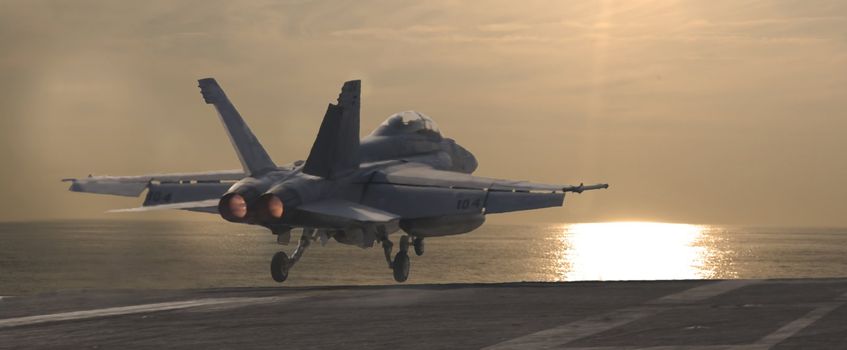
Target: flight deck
<point>697,314</point>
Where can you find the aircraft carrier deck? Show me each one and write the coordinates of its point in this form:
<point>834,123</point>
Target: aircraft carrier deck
<point>733,314</point>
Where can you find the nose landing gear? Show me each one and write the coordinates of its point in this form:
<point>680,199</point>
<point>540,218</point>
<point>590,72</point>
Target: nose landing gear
<point>401,264</point>
<point>401,267</point>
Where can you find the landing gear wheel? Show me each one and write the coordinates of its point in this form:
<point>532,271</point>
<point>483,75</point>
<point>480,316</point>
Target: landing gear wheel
<point>279,267</point>
<point>418,243</point>
<point>401,267</point>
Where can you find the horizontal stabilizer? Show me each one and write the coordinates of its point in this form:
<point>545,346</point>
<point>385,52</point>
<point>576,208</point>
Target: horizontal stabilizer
<point>336,149</point>
<point>348,210</point>
<point>204,204</point>
<point>250,152</point>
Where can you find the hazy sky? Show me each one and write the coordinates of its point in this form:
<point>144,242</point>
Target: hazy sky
<point>700,111</point>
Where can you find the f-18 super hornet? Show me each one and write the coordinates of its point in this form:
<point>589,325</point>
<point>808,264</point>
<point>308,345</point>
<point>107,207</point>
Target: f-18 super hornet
<point>403,176</point>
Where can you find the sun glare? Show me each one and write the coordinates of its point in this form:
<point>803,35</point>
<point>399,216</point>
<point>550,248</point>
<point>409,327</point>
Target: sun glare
<point>631,251</point>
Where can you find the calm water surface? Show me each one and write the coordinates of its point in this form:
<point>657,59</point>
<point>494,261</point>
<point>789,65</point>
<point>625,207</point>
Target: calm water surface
<point>46,256</point>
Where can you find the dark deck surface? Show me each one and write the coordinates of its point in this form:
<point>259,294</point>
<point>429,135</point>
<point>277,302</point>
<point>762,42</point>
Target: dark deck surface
<point>780,314</point>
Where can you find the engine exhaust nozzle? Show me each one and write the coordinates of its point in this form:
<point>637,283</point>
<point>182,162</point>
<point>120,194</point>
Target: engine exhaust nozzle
<point>233,207</point>
<point>269,207</point>
<point>275,207</point>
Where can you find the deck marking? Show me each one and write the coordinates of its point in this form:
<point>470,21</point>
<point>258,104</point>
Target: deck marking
<point>702,292</point>
<point>766,342</point>
<point>557,337</point>
<point>135,309</point>
<point>793,327</point>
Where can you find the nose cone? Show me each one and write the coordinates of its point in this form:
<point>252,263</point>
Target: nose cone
<point>275,207</point>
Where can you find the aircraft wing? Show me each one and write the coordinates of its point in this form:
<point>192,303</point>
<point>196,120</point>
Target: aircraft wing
<point>488,195</point>
<point>132,186</point>
<point>164,190</point>
<point>209,205</point>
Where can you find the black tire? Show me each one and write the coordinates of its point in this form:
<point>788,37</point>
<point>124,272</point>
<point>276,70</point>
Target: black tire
<point>418,243</point>
<point>401,266</point>
<point>279,267</point>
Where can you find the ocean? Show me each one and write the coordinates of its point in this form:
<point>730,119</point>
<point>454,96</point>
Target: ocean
<point>40,257</point>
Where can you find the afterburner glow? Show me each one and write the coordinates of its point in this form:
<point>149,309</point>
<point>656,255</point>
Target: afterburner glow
<point>275,207</point>
<point>237,206</point>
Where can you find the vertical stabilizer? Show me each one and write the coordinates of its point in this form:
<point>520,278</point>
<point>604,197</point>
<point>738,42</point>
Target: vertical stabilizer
<point>336,149</point>
<point>250,152</point>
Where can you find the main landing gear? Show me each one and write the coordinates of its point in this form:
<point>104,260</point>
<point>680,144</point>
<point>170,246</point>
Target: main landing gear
<point>281,263</point>
<point>401,264</point>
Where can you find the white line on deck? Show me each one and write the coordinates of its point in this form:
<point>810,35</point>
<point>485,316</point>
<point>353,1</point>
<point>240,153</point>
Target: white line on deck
<point>702,292</point>
<point>135,309</point>
<point>793,327</point>
<point>557,337</point>
<point>766,342</point>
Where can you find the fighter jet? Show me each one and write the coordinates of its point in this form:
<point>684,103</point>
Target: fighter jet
<point>404,176</point>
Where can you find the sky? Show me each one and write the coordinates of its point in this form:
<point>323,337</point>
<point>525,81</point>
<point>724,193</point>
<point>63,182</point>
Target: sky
<point>716,112</point>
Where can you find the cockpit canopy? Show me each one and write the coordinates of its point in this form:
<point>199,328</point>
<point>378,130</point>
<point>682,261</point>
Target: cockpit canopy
<point>408,123</point>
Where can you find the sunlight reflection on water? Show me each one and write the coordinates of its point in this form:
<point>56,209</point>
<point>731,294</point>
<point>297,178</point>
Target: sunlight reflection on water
<point>632,251</point>
<point>97,254</point>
